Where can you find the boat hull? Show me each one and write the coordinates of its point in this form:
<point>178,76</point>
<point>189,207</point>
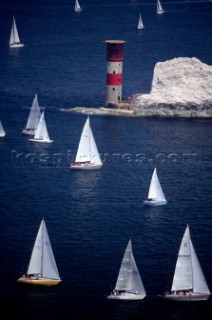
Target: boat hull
<point>89,166</point>
<point>16,45</point>
<point>188,297</point>
<point>161,12</point>
<point>127,296</point>
<point>41,141</point>
<point>39,281</point>
<point>154,203</point>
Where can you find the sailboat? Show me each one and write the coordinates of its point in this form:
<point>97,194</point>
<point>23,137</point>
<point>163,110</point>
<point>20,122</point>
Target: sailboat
<point>140,23</point>
<point>42,269</point>
<point>155,196</point>
<point>129,285</point>
<point>77,6</point>
<point>189,282</point>
<point>87,154</point>
<point>14,37</point>
<point>159,8</point>
<point>2,132</point>
<point>33,119</point>
<point>41,133</point>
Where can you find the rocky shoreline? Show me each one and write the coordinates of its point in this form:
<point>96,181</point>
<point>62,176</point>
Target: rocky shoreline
<point>154,110</point>
<point>181,87</point>
<point>101,111</point>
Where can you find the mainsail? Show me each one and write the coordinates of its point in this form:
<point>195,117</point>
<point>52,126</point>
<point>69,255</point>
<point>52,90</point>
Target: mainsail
<point>34,115</point>
<point>129,278</point>
<point>140,23</point>
<point>42,132</point>
<point>2,131</point>
<point>159,8</point>
<point>188,273</point>
<point>14,37</point>
<point>87,149</point>
<point>77,6</point>
<point>155,189</point>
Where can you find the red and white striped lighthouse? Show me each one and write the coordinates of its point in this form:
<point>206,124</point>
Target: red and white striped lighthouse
<point>114,71</point>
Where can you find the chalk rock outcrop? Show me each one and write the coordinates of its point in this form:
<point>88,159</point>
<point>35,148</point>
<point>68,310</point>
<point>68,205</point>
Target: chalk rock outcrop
<point>180,87</point>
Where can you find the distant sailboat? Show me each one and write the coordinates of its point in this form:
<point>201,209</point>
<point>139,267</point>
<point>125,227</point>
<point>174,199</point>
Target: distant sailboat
<point>42,269</point>
<point>159,8</point>
<point>2,132</point>
<point>155,196</point>
<point>14,37</point>
<point>41,133</point>
<point>33,119</point>
<point>87,154</point>
<point>129,285</point>
<point>189,283</point>
<point>77,6</point>
<point>140,23</point>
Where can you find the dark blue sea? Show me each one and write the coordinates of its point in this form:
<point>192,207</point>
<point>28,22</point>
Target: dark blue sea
<point>91,216</point>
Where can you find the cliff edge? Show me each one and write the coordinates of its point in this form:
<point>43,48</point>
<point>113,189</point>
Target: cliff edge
<point>180,87</point>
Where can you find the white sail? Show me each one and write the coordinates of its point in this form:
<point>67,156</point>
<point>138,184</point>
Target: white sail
<point>129,285</point>
<point>83,152</point>
<point>155,189</point>
<point>34,117</point>
<point>2,132</point>
<point>129,278</point>
<point>188,273</point>
<point>159,7</point>
<point>87,152</point>
<point>140,23</point>
<point>41,133</point>
<point>14,37</point>
<point>183,271</point>
<point>77,6</point>
<point>199,282</point>
<point>42,260</point>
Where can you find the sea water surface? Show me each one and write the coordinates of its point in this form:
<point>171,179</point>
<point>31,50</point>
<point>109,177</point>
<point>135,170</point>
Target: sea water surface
<point>91,216</point>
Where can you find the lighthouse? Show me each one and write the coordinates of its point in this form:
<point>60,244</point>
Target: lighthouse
<point>114,71</point>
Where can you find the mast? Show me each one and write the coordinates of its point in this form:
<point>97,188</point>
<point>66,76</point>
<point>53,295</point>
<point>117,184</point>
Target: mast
<point>42,248</point>
<point>89,138</point>
<point>192,271</point>
<point>192,268</point>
